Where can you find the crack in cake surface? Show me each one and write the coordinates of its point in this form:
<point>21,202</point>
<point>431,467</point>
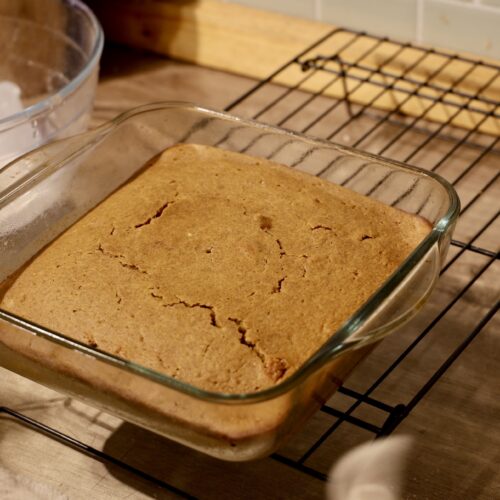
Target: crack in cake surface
<point>277,288</point>
<point>119,258</point>
<point>156,215</point>
<point>275,367</point>
<point>185,303</point>
<point>321,226</point>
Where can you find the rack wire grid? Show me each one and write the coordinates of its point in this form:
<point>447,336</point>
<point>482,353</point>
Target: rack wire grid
<point>433,109</point>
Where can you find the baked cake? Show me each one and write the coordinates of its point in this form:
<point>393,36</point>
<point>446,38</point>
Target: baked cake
<point>219,269</point>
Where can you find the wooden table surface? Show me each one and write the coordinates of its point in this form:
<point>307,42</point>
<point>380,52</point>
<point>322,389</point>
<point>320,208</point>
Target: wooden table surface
<point>456,427</point>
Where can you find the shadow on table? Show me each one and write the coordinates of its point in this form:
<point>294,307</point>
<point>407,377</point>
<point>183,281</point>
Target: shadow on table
<point>201,475</point>
<point>144,26</point>
<point>118,61</point>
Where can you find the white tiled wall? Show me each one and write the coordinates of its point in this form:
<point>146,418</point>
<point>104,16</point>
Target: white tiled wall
<point>462,25</point>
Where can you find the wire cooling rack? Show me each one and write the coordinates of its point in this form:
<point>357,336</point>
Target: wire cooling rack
<point>437,110</point>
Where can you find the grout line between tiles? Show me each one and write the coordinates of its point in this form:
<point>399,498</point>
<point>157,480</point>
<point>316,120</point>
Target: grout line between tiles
<point>317,10</point>
<point>419,21</point>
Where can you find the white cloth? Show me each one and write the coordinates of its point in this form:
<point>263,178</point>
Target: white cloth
<point>371,471</point>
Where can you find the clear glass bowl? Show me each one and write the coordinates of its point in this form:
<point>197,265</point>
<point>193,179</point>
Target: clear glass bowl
<point>50,49</point>
<point>229,426</point>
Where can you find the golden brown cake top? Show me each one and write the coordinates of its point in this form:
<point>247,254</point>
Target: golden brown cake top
<point>219,269</point>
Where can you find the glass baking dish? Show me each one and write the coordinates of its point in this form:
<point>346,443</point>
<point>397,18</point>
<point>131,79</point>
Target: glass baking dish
<point>44,192</point>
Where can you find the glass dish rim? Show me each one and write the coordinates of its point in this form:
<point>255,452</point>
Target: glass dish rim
<point>335,343</point>
<point>71,86</point>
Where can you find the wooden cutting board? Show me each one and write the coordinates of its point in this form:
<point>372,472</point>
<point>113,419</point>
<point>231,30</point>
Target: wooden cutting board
<point>254,43</point>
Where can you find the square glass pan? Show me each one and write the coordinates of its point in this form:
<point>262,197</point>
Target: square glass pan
<point>46,191</point>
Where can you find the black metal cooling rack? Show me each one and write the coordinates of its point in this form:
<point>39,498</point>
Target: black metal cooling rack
<point>400,101</point>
